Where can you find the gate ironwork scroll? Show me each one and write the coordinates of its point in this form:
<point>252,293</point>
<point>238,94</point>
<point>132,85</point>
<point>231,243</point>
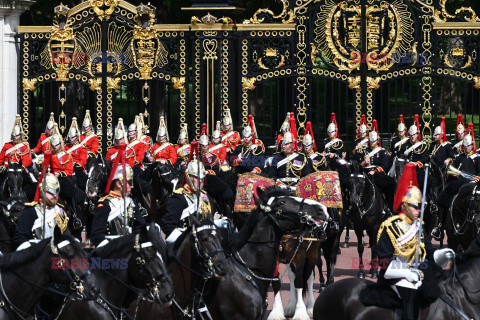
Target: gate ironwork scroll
<point>312,57</point>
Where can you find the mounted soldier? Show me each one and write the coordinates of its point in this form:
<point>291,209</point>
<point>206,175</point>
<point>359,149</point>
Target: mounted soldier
<point>43,144</point>
<point>249,156</point>
<point>256,140</point>
<point>332,146</point>
<point>78,152</point>
<point>144,137</point>
<point>361,142</point>
<point>398,239</point>
<point>309,148</point>
<point>183,145</point>
<point>16,151</point>
<point>191,199</point>
<point>88,138</point>
<point>468,163</point>
<point>116,213</point>
<point>217,146</point>
<point>459,135</point>
<point>375,162</point>
<point>441,150</point>
<point>39,218</point>
<point>208,159</point>
<point>283,129</point>
<point>230,138</point>
<point>399,139</point>
<point>135,144</point>
<point>288,166</point>
<point>163,151</point>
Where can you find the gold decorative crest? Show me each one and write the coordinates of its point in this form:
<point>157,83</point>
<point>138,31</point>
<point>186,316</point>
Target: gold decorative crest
<point>179,83</point>
<point>248,83</point>
<point>103,8</point>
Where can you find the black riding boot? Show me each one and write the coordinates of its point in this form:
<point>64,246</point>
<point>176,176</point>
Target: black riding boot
<point>438,229</point>
<point>333,222</point>
<point>410,306</point>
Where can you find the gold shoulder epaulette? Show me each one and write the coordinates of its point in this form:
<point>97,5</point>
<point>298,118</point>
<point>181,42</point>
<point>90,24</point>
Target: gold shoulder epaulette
<point>178,191</point>
<point>31,204</point>
<point>386,224</point>
<point>103,198</point>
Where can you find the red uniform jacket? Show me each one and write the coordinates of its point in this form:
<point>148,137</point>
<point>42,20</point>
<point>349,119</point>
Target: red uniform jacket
<point>230,140</point>
<point>15,153</point>
<point>62,163</point>
<point>139,149</point>
<point>78,153</point>
<point>210,160</point>
<point>43,144</point>
<point>165,151</point>
<point>147,141</point>
<point>220,150</point>
<point>112,154</point>
<point>90,141</point>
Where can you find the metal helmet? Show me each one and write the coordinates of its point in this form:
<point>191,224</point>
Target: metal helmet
<point>51,184</point>
<point>413,130</point>
<point>247,132</point>
<point>16,131</point>
<point>51,122</point>
<point>460,128</point>
<point>119,134</point>
<point>331,127</point>
<point>183,133</point>
<point>307,140</point>
<point>204,140</point>
<point>227,120</point>
<point>216,134</point>
<point>119,173</point>
<point>437,131</point>
<point>284,126</point>
<point>87,121</point>
<point>467,140</point>
<point>363,128</point>
<point>287,138</point>
<point>132,127</point>
<point>55,140</point>
<point>413,196</point>
<point>72,133</point>
<point>401,127</point>
<point>195,168</point>
<point>162,132</point>
<point>373,136</point>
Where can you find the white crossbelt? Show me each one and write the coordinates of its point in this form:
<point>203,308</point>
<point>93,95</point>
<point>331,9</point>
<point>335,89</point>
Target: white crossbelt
<point>290,157</point>
<point>331,142</point>
<point>227,135</point>
<point>407,152</point>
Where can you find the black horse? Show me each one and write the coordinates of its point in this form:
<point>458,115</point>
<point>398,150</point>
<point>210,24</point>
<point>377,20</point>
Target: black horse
<point>13,183</point>
<point>25,275</point>
<point>193,260</point>
<point>140,271</point>
<point>10,212</point>
<point>341,301</point>
<point>255,251</point>
<point>367,212</point>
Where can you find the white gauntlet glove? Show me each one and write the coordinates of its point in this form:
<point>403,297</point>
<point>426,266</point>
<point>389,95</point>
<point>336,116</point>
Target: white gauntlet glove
<point>442,256</point>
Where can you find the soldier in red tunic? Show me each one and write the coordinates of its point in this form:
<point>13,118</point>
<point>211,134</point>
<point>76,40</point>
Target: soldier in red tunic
<point>283,130</point>
<point>139,148</point>
<point>183,146</point>
<point>217,147</point>
<point>88,138</point>
<point>78,152</point>
<point>120,137</point>
<point>209,160</point>
<point>163,151</point>
<point>230,138</point>
<point>44,141</point>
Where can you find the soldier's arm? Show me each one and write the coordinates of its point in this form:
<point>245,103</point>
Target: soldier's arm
<point>2,155</point>
<point>173,209</point>
<point>94,144</point>
<point>139,220</point>
<point>23,230</point>
<point>385,252</point>
<point>172,154</point>
<point>99,222</point>
<point>38,148</point>
<point>382,162</point>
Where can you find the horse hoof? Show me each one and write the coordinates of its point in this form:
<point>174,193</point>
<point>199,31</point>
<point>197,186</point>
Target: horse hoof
<point>374,275</point>
<point>361,275</point>
<point>339,251</point>
<point>345,245</point>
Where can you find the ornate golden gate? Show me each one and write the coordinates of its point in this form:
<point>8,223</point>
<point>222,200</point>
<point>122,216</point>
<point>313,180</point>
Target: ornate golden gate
<point>313,57</point>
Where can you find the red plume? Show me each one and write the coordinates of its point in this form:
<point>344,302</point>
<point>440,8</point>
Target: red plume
<point>472,133</point>
<point>334,120</point>
<point>309,130</point>
<point>250,123</point>
<point>443,133</point>
<point>204,130</point>
<point>293,131</point>
<point>417,123</point>
<point>400,120</point>
<point>120,157</point>
<point>363,121</point>
<point>193,150</point>
<point>459,120</point>
<point>375,128</point>
<point>408,179</point>
<point>46,164</point>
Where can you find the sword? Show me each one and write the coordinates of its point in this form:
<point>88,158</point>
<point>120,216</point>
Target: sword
<point>424,193</point>
<point>44,203</point>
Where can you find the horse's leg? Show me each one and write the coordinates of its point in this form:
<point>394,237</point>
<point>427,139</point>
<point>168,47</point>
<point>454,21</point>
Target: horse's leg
<point>300,309</point>
<point>320,267</point>
<point>310,298</point>
<point>374,263</point>
<point>347,227</point>
<point>360,249</point>
<point>334,245</point>
<point>277,312</point>
<point>292,298</point>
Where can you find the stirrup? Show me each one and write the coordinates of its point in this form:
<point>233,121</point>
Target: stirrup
<point>334,225</point>
<point>433,207</point>
<point>437,233</point>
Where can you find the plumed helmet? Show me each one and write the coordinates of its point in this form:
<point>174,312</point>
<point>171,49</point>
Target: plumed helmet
<point>183,133</point>
<point>287,138</point>
<point>132,127</point>
<point>72,132</point>
<point>217,133</point>
<point>401,127</point>
<point>119,134</point>
<point>307,140</point>
<point>363,128</point>
<point>467,140</point>
<point>373,136</point>
<point>55,140</point>
<point>204,140</point>
<point>247,132</point>
<point>460,128</point>
<point>119,173</point>
<point>195,168</point>
<point>87,121</point>
<point>162,132</point>
<point>413,130</point>
<point>16,130</point>
<point>51,122</point>
<point>413,196</point>
<point>284,126</point>
<point>227,121</point>
<point>437,131</point>
<point>331,127</point>
<point>51,184</point>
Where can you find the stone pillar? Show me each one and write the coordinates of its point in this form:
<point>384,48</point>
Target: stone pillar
<point>10,88</point>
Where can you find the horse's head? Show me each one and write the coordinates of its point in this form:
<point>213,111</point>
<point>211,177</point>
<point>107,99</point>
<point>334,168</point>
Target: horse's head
<point>15,178</point>
<point>205,241</point>
<point>289,212</point>
<point>97,177</point>
<point>150,261</point>
<point>357,182</point>
<point>165,176</point>
<point>70,266</point>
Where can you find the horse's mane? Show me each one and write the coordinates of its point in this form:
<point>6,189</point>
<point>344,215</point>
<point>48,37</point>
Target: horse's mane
<point>114,246</point>
<point>472,251</point>
<point>18,258</point>
<point>275,191</point>
<point>176,245</point>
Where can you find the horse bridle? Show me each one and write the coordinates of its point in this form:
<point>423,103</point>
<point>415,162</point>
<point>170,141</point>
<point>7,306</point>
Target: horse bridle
<point>468,217</point>
<point>205,257</point>
<point>372,203</point>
